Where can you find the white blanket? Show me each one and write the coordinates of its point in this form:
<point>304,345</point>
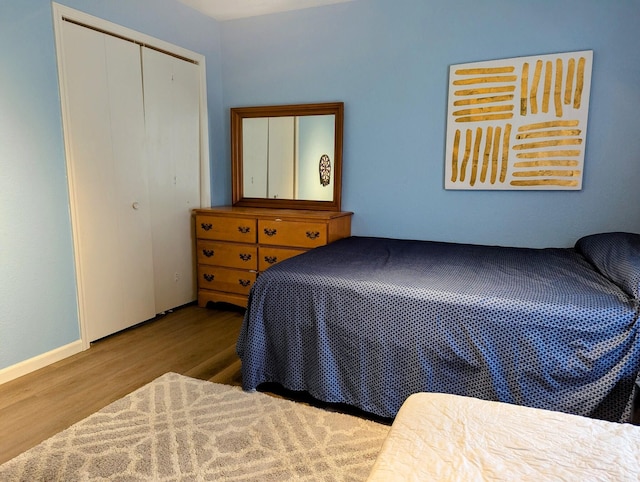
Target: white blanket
<point>448,437</point>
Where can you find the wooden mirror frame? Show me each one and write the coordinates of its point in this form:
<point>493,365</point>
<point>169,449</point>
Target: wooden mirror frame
<point>240,113</point>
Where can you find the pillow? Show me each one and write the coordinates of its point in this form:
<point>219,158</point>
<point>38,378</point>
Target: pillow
<point>615,255</point>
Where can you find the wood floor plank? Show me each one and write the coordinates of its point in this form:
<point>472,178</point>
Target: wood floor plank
<point>192,341</point>
<point>229,375</point>
<point>214,365</point>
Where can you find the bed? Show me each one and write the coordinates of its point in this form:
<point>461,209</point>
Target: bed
<point>448,437</point>
<point>369,321</point>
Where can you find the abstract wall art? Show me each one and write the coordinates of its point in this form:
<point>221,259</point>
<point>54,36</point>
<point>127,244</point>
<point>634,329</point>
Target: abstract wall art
<point>518,123</point>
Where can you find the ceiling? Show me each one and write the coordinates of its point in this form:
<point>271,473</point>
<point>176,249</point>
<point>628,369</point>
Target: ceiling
<point>230,9</point>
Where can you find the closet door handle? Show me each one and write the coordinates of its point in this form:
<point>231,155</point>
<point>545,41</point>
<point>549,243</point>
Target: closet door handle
<point>136,205</point>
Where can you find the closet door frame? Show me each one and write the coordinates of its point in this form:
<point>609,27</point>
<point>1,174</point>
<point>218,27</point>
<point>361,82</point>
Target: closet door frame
<point>62,14</point>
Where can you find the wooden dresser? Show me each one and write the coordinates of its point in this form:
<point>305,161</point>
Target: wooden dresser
<point>234,244</point>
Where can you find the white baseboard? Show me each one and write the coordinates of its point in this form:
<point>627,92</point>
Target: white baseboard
<point>40,361</point>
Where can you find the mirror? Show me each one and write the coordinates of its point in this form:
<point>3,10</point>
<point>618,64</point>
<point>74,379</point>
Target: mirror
<point>287,156</point>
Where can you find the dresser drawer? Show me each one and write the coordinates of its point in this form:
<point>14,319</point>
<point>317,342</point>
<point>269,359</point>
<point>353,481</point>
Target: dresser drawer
<point>225,279</point>
<point>225,228</point>
<point>268,256</point>
<point>231,255</point>
<point>292,233</point>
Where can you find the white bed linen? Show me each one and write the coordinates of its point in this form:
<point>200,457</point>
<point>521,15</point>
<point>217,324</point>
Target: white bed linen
<point>448,437</point>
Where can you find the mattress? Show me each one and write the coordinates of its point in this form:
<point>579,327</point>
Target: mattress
<point>370,321</point>
<point>449,437</point>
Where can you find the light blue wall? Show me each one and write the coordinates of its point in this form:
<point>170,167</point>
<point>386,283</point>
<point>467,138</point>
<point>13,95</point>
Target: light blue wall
<point>386,59</point>
<point>389,60</point>
<point>38,304</point>
<point>316,137</point>
<point>37,287</point>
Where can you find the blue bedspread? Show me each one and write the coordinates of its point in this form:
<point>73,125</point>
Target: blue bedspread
<point>369,321</point>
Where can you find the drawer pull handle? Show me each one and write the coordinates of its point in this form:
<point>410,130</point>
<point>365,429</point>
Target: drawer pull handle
<point>244,282</point>
<point>208,252</point>
<point>208,277</point>
<point>244,257</point>
<point>313,234</point>
<point>244,229</point>
<point>271,259</point>
<point>270,232</point>
<point>206,226</point>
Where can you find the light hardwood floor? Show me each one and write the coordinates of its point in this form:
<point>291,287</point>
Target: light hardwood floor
<point>192,341</point>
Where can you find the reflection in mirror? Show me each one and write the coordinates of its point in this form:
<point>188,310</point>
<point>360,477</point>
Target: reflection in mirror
<point>287,156</point>
<point>283,157</point>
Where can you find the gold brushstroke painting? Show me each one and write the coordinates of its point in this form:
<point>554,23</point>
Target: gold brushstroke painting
<point>518,123</point>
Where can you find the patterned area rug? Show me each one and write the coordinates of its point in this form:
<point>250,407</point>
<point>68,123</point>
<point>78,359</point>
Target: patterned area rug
<point>180,428</point>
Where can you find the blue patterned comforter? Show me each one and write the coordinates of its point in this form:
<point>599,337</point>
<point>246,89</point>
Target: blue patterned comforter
<point>369,321</point>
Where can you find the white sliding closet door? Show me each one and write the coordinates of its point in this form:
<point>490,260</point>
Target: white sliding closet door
<point>281,157</point>
<point>172,117</point>
<point>110,201</point>
<point>136,137</point>
<point>268,158</point>
<point>255,160</point>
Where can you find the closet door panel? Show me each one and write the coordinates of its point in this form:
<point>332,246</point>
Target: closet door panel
<point>113,257</point>
<point>186,122</point>
<point>255,141</point>
<point>281,154</point>
<point>172,116</point>
<point>132,206</point>
<point>89,143</point>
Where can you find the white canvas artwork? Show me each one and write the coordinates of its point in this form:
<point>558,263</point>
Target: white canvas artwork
<point>518,123</point>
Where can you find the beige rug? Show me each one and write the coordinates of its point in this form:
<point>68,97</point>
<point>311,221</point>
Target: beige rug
<point>179,428</point>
